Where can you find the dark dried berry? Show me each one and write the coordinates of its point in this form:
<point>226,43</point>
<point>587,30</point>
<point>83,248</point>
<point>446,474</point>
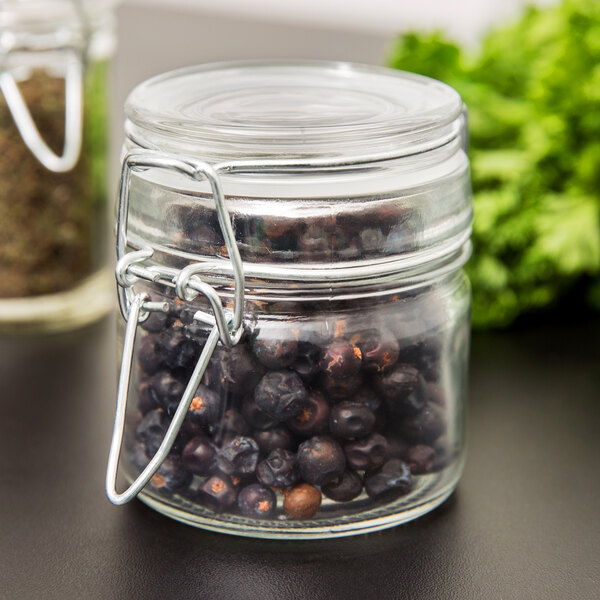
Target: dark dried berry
<point>147,356</point>
<point>420,459</point>
<point>271,439</point>
<point>278,470</point>
<point>177,351</point>
<point>198,455</point>
<point>190,429</point>
<point>231,425</point>
<point>340,389</point>
<point>166,391</point>
<point>313,419</point>
<point>217,493</point>
<point>139,456</point>
<point>350,420</point>
<point>281,394</point>
<point>146,400</point>
<point>234,370</point>
<point>171,477</point>
<point>369,398</point>
<point>302,501</point>
<point>403,389</point>
<point>389,482</point>
<point>256,417</point>
<point>367,453</point>
<point>346,488</point>
<point>320,460</point>
<point>341,359</point>
<point>151,430</point>
<point>206,406</point>
<point>239,456</point>
<point>256,501</point>
<point>157,321</point>
<point>425,355</point>
<point>435,394</point>
<point>307,361</point>
<point>379,350</point>
<point>396,447</point>
<point>399,382</point>
<point>424,427</point>
<point>275,353</point>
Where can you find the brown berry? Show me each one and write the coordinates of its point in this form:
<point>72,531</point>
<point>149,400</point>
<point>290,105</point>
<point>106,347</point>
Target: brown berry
<point>302,501</point>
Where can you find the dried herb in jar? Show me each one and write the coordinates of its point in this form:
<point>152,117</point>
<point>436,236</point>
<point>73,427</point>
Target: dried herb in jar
<point>51,223</point>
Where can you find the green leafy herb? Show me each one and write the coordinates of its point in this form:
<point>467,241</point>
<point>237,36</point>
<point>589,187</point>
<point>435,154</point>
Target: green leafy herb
<point>533,93</point>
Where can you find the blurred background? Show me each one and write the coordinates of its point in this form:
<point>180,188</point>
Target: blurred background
<point>528,71</point>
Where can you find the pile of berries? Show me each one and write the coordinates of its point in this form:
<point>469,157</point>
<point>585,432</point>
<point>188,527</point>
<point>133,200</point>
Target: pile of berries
<point>291,414</point>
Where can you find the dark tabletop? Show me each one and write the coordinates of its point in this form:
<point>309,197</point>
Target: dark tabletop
<point>523,523</point>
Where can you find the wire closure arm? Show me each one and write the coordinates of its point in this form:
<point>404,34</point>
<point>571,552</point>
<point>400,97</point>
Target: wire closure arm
<point>117,438</point>
<point>135,308</point>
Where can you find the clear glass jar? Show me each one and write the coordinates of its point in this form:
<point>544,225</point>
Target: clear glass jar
<point>291,240</point>
<point>53,133</point>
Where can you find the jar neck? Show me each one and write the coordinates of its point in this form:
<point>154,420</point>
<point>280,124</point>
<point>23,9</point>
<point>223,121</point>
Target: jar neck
<point>378,219</point>
<point>298,285</point>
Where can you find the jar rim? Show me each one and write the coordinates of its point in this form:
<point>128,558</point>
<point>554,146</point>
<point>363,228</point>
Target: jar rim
<point>292,109</point>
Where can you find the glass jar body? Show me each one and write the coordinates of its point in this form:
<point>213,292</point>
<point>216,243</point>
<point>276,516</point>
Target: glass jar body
<point>330,417</point>
<point>53,251</point>
<point>317,217</point>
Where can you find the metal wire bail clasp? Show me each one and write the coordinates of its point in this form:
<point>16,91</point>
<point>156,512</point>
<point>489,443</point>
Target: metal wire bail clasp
<point>188,285</point>
<point>73,114</point>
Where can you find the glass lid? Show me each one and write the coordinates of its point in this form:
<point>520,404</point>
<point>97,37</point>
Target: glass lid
<point>291,109</point>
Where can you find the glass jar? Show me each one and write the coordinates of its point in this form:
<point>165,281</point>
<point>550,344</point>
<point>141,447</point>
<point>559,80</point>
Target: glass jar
<point>291,239</point>
<point>53,134</point>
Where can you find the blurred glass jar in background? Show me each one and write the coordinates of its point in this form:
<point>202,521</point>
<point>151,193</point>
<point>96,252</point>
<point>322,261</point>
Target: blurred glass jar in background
<point>333,402</point>
<point>53,154</point>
